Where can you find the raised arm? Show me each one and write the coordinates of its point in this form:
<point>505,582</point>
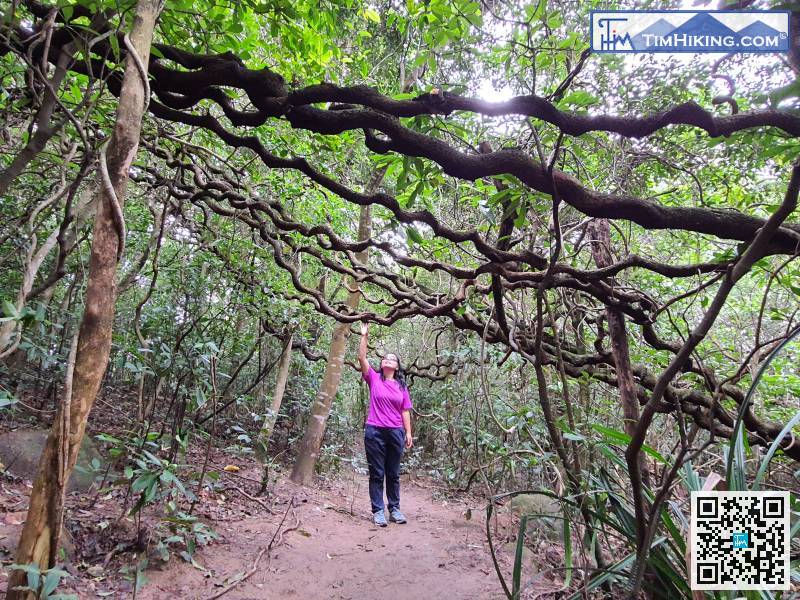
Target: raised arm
<point>362,349</point>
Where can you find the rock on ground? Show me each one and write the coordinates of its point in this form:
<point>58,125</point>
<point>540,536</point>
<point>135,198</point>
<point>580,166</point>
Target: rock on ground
<point>20,451</point>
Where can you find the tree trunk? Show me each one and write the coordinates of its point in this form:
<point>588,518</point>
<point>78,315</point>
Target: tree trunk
<point>39,540</point>
<point>265,433</point>
<point>303,471</point>
<point>31,269</point>
<point>277,396</point>
<point>601,252</point>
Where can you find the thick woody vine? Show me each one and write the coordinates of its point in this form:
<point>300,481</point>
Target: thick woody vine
<point>503,291</point>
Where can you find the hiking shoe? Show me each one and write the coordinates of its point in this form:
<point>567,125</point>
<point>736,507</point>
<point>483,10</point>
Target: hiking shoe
<point>379,519</point>
<point>395,516</point>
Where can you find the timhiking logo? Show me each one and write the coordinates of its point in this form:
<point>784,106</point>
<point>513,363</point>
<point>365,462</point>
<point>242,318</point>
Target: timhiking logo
<point>690,31</point>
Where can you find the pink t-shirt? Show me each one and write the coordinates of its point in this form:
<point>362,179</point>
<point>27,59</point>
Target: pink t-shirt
<point>386,401</point>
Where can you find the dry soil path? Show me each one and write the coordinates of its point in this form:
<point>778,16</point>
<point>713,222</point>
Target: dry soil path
<point>331,555</point>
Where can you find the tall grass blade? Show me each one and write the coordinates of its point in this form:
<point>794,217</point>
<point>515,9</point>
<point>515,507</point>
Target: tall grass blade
<point>735,463</point>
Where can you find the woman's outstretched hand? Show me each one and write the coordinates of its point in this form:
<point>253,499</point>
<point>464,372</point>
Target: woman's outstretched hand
<point>362,349</point>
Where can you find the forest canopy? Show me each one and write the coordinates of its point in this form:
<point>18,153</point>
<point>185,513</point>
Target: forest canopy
<point>586,261</point>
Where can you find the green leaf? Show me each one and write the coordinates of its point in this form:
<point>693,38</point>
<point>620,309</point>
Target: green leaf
<point>153,458</point>
<point>612,434</point>
<point>517,573</point>
<point>10,310</point>
<point>580,98</point>
<point>28,568</point>
<point>104,437</point>
<point>415,192</point>
<point>772,449</point>
<point>152,490</point>
<point>370,14</point>
<point>143,481</point>
<point>498,197</point>
<point>623,439</point>
<point>34,578</point>
<point>115,47</point>
<point>691,478</point>
<point>413,234</point>
<point>6,400</point>
<point>51,581</point>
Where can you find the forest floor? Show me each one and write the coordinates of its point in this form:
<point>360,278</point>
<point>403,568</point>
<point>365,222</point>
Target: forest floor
<point>324,552</point>
<point>324,544</point>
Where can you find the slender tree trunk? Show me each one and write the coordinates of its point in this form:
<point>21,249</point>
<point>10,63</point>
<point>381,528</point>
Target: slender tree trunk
<point>229,388</point>
<point>303,471</point>
<point>31,270</point>
<point>265,433</point>
<point>277,396</point>
<point>601,252</point>
<point>40,535</point>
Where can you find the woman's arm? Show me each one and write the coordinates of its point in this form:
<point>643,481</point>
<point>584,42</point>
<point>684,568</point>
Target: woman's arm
<point>362,349</point>
<point>407,427</point>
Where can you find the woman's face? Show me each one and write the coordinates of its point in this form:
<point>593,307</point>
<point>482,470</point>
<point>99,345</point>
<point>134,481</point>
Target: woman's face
<point>390,362</point>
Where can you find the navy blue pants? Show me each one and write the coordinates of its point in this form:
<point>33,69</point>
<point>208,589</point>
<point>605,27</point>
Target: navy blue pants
<point>384,446</point>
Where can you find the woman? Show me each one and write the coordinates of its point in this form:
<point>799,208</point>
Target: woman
<point>387,431</point>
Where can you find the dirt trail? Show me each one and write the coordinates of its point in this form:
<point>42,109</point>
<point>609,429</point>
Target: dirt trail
<point>331,555</point>
<point>323,552</point>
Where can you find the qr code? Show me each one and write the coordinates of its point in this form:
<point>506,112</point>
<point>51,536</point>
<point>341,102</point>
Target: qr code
<point>740,541</point>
